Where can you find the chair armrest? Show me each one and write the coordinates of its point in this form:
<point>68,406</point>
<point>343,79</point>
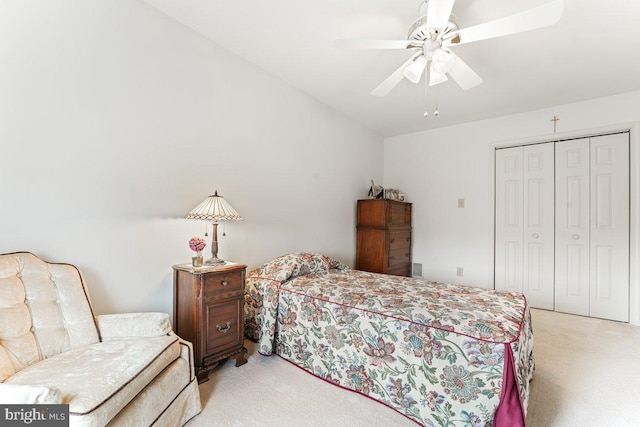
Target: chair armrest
<point>132,325</point>
<point>28,394</point>
<point>186,353</point>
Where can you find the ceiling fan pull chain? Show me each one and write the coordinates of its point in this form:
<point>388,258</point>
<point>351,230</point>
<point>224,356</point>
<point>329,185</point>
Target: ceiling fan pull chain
<point>426,90</point>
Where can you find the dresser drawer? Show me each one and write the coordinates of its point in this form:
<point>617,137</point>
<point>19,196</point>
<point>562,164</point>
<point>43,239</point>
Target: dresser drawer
<point>218,286</point>
<point>400,270</point>
<point>398,214</point>
<point>399,239</point>
<point>399,257</point>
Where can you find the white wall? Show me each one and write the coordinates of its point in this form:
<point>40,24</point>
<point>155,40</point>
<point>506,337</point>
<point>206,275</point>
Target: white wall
<point>435,168</point>
<point>115,121</point>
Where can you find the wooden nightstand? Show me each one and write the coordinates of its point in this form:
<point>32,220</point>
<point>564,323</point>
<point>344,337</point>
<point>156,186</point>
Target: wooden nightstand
<point>207,310</point>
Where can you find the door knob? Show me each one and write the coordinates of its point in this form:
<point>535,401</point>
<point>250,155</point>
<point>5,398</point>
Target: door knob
<point>576,237</point>
<point>535,235</point>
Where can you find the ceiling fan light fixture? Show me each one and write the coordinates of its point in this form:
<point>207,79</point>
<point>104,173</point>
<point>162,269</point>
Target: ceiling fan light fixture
<point>442,61</point>
<point>435,78</point>
<point>414,71</point>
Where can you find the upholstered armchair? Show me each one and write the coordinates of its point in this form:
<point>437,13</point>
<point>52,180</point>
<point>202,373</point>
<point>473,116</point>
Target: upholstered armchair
<point>121,369</point>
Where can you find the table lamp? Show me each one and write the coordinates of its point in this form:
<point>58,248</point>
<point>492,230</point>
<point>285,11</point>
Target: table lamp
<point>215,209</point>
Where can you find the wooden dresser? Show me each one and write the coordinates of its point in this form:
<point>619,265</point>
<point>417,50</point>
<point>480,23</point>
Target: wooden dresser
<point>384,236</point>
<point>208,312</point>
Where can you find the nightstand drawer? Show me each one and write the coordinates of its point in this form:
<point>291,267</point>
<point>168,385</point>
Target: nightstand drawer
<point>223,330</point>
<point>220,286</point>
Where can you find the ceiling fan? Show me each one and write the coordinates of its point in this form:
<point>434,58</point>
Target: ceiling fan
<point>436,31</point>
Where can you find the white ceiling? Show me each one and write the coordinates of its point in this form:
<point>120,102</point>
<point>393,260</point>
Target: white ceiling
<point>593,51</point>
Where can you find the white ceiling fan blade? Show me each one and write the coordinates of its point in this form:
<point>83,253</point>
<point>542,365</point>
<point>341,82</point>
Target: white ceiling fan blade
<point>370,44</point>
<point>438,13</point>
<point>463,74</point>
<point>395,78</point>
<point>538,17</point>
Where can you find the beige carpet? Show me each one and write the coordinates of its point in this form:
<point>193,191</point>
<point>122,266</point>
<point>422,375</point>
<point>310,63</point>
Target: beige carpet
<point>587,374</point>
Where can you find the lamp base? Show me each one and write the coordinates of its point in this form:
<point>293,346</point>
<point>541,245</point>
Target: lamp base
<point>214,261</point>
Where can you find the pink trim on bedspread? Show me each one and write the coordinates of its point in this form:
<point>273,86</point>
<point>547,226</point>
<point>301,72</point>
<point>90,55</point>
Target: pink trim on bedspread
<point>510,411</point>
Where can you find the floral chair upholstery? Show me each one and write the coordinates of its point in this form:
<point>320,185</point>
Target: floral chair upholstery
<point>119,369</point>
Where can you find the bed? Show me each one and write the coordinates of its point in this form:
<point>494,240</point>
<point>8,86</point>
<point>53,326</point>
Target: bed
<point>440,354</point>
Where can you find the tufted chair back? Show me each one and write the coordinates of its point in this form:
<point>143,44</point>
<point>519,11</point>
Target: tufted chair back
<point>44,311</point>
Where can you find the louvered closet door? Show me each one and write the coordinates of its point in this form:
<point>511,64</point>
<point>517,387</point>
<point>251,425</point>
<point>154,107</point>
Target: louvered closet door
<point>524,222</point>
<point>592,226</point>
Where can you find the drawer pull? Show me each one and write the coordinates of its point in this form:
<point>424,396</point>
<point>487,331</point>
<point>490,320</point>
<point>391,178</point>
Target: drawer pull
<point>225,283</point>
<point>393,240</point>
<point>225,329</point>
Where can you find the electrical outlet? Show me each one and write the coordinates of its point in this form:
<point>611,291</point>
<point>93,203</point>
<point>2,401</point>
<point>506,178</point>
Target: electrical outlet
<point>460,271</point>
<point>461,203</point>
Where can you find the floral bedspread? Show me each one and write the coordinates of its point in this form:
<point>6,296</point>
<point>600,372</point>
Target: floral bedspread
<point>440,354</point>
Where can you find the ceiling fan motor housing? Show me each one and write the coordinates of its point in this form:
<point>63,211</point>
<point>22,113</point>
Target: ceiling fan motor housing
<point>418,31</point>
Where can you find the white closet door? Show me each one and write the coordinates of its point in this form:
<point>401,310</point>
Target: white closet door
<point>524,222</point>
<point>562,225</point>
<point>572,227</point>
<point>509,217</point>
<point>538,222</point>
<point>610,227</point>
